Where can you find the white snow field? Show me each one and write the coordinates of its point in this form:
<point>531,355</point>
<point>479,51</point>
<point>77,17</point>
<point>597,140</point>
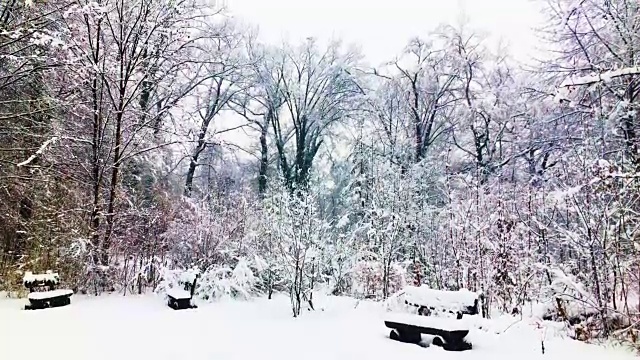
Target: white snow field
<point>143,327</point>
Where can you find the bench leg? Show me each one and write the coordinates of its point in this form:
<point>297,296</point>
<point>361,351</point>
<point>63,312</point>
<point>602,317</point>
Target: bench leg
<point>180,304</point>
<point>57,302</point>
<point>405,336</point>
<point>172,304</point>
<point>184,304</point>
<point>37,305</point>
<point>461,345</point>
<point>457,346</point>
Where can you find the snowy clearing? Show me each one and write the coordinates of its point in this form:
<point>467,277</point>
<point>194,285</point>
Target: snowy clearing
<point>143,327</point>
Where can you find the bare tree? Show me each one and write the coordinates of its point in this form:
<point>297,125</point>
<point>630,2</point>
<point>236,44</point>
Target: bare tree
<point>124,48</point>
<point>261,103</point>
<point>427,78</point>
<point>30,54</point>
<point>597,65</point>
<point>224,66</point>
<point>318,90</point>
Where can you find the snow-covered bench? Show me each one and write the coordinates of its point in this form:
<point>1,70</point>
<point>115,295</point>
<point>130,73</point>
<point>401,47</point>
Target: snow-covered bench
<point>434,302</point>
<point>42,291</point>
<point>181,297</point>
<point>448,333</point>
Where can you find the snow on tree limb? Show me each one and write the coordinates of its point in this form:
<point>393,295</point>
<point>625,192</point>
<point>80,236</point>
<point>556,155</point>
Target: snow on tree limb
<point>42,148</point>
<point>601,77</point>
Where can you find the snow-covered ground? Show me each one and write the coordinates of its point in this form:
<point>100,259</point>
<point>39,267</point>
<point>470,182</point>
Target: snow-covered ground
<point>143,327</point>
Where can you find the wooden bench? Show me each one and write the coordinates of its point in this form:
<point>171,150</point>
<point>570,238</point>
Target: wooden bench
<point>409,329</point>
<point>181,297</point>
<point>435,302</point>
<point>42,291</point>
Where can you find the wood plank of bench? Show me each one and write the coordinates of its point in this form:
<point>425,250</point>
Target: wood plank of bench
<point>446,324</point>
<point>461,301</point>
<point>448,336</point>
<point>45,295</point>
<point>179,294</point>
<point>48,302</point>
<point>180,304</point>
<point>424,295</point>
<point>49,276</point>
<point>448,340</point>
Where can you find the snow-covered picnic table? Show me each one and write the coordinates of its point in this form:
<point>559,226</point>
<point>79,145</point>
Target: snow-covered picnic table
<point>42,290</point>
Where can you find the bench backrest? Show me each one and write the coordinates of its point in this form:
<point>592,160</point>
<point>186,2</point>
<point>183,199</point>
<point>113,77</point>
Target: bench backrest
<point>463,301</point>
<point>48,279</point>
<point>188,285</point>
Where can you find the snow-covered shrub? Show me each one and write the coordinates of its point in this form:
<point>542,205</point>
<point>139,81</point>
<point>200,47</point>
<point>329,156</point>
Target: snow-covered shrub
<point>225,282</point>
<point>566,299</point>
<point>268,268</point>
<point>196,234</point>
<point>339,274</point>
<point>243,279</point>
<point>368,278</point>
<point>297,234</point>
<point>89,277</point>
<point>215,283</point>
<point>176,278</point>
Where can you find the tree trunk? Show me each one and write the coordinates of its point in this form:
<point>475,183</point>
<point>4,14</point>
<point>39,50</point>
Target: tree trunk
<point>113,186</point>
<point>211,112</point>
<point>96,177</point>
<point>264,161</point>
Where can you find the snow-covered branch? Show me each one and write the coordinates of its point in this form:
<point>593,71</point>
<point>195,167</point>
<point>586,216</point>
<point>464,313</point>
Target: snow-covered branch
<point>42,148</point>
<point>605,76</point>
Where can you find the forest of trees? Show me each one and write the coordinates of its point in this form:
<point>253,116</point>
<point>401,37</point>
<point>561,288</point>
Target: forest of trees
<point>449,166</point>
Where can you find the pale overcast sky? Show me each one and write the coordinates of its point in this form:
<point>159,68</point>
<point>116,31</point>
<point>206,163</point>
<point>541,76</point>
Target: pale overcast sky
<point>382,28</point>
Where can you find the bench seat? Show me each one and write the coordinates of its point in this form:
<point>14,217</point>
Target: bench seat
<point>181,297</point>
<point>446,324</point>
<point>48,299</point>
<point>179,294</point>
<point>449,333</point>
<point>44,295</point>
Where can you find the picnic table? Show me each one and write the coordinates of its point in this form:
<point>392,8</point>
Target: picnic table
<point>42,291</point>
<point>448,333</point>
